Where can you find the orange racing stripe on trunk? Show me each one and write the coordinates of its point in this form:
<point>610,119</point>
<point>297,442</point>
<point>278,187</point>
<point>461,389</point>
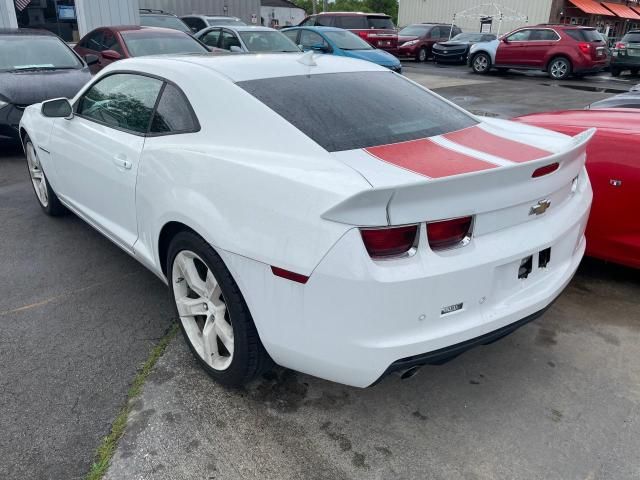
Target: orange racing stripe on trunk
<point>483,141</point>
<point>428,158</point>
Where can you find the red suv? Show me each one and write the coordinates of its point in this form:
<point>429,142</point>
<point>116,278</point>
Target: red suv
<point>376,28</point>
<point>417,40</point>
<point>559,50</point>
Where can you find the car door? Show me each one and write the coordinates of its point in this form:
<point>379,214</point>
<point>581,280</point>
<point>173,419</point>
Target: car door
<point>92,44</point>
<point>433,37</point>
<point>229,39</point>
<point>313,41</point>
<point>293,35</point>
<point>212,38</point>
<point>510,49</point>
<point>534,50</point>
<point>97,152</point>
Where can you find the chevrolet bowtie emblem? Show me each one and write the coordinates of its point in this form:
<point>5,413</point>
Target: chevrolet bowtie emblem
<point>540,207</point>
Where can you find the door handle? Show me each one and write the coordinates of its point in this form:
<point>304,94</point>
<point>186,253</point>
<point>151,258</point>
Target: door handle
<point>122,162</point>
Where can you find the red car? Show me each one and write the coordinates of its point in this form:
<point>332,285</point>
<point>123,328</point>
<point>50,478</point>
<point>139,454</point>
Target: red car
<point>114,43</point>
<point>613,164</point>
<point>559,50</point>
<point>376,28</point>
<point>417,40</point>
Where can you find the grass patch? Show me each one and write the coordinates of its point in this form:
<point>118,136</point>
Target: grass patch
<point>107,448</point>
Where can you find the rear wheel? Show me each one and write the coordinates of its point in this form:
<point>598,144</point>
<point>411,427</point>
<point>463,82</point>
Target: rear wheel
<point>615,72</point>
<point>47,198</point>
<point>634,71</point>
<point>481,63</point>
<point>422,55</point>
<point>559,68</point>
<point>214,317</point>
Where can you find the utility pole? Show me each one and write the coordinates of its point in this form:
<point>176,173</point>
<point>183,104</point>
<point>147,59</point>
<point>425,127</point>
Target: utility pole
<point>314,3</point>
<point>325,5</point>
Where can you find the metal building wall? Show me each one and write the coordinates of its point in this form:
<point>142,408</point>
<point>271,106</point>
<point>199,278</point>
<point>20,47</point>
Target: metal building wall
<point>99,13</point>
<point>417,11</point>
<point>236,8</point>
<point>8,14</point>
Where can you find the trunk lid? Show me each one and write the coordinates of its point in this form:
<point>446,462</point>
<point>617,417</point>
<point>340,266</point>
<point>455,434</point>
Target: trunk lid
<point>484,170</point>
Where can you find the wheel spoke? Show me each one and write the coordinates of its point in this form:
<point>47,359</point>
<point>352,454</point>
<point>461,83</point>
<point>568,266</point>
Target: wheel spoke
<point>209,343</point>
<point>189,307</point>
<point>36,174</point>
<point>224,331</point>
<point>190,274</point>
<point>211,288</point>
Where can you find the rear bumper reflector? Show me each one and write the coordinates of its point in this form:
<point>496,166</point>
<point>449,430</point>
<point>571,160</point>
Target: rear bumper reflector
<point>294,277</point>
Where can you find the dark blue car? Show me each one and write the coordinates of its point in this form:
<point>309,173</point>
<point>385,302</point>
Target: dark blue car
<point>336,41</point>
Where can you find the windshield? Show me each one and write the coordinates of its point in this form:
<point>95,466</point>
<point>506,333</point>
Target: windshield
<point>268,42</point>
<point>347,40</point>
<point>413,31</point>
<point>144,43</point>
<point>165,21</point>
<point>381,22</point>
<point>632,37</point>
<point>395,109</point>
<point>31,52</point>
<point>468,37</point>
<point>224,21</point>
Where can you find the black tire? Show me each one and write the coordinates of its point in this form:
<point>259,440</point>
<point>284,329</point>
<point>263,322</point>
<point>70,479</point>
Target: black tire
<point>422,55</point>
<point>52,206</point>
<point>250,358</point>
<point>634,71</point>
<point>615,72</point>
<point>502,70</point>
<point>559,68</point>
<point>481,63</point>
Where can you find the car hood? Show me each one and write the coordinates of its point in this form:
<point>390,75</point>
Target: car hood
<point>453,44</point>
<point>376,56</point>
<point>404,38</point>
<point>27,88</point>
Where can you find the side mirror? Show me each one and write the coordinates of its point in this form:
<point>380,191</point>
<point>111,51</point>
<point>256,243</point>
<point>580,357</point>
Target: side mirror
<point>235,49</point>
<point>504,40</point>
<point>57,108</point>
<point>91,59</point>
<point>111,55</point>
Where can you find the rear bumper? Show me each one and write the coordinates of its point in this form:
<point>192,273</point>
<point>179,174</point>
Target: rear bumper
<point>626,61</point>
<point>591,67</point>
<point>356,319</point>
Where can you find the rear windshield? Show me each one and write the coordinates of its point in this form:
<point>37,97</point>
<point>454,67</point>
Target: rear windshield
<point>37,52</point>
<point>148,42</point>
<point>584,35</point>
<point>266,41</point>
<point>381,22</point>
<point>336,112</point>
<point>632,37</point>
<point>165,21</point>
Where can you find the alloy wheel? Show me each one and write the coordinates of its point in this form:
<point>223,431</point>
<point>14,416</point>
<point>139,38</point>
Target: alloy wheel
<point>202,310</point>
<point>37,176</point>
<point>559,69</point>
<point>422,55</point>
<point>480,63</point>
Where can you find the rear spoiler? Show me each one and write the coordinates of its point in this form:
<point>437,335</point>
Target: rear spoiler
<point>461,195</point>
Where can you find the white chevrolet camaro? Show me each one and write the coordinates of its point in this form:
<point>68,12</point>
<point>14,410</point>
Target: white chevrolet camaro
<point>323,213</point>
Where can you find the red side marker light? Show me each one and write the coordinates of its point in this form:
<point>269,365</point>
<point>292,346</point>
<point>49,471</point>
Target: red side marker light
<point>294,277</point>
<point>546,170</point>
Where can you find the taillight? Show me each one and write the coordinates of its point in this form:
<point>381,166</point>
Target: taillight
<point>448,233</point>
<point>546,170</point>
<point>363,34</point>
<point>585,47</point>
<point>621,46</point>
<point>389,242</point>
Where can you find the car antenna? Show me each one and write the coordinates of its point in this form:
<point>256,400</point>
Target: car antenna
<point>307,59</point>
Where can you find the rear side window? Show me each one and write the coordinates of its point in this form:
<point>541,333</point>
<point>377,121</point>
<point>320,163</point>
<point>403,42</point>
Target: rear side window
<point>632,37</point>
<point>348,22</point>
<point>381,22</point>
<point>347,116</point>
<point>584,35</point>
<point>122,101</point>
<point>174,114</point>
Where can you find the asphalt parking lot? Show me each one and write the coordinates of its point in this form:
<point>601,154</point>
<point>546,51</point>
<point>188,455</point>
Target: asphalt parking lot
<point>560,398</point>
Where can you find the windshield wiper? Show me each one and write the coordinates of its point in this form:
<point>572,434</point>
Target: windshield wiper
<point>35,69</point>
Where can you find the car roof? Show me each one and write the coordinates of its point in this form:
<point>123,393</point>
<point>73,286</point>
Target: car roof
<point>238,68</point>
<point>246,28</point>
<point>26,31</point>
<point>352,13</point>
<point>138,29</point>
<point>318,28</point>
